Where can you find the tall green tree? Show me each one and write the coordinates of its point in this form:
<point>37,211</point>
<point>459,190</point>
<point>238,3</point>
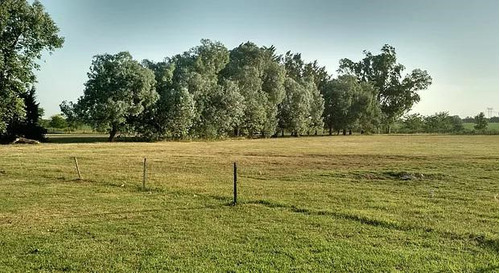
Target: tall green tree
<point>349,103</point>
<point>397,93</point>
<point>28,125</point>
<point>316,106</point>
<point>295,109</point>
<point>480,121</point>
<point>438,123</point>
<point>58,122</point>
<point>260,79</point>
<point>118,90</point>
<point>198,71</point>
<point>172,115</point>
<point>313,79</point>
<point>26,30</point>
<point>413,123</point>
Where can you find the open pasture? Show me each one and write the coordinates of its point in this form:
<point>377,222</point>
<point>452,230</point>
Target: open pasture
<point>345,203</point>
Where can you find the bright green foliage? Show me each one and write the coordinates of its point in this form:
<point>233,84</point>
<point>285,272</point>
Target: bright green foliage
<point>71,116</point>
<point>180,112</point>
<point>260,78</point>
<point>118,90</point>
<point>210,92</point>
<point>438,123</point>
<point>481,123</point>
<point>414,123</point>
<point>172,115</point>
<point>223,110</point>
<point>255,114</point>
<point>443,123</point>
<point>25,31</point>
<point>457,124</point>
<point>296,108</point>
<point>350,103</point>
<point>396,93</point>
<point>197,70</point>
<point>311,78</point>
<point>58,122</point>
<point>316,108</point>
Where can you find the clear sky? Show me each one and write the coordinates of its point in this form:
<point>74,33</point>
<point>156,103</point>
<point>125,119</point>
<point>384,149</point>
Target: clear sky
<point>456,41</point>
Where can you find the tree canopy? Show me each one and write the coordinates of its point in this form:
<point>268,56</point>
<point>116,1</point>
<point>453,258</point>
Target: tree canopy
<point>210,91</point>
<point>26,30</point>
<point>397,93</point>
<point>119,89</point>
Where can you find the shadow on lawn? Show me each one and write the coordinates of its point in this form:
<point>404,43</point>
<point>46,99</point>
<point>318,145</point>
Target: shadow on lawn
<point>85,138</point>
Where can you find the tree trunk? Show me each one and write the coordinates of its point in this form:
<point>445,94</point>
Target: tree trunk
<point>344,132</point>
<point>112,134</point>
<point>282,132</point>
<point>316,132</point>
<point>330,129</point>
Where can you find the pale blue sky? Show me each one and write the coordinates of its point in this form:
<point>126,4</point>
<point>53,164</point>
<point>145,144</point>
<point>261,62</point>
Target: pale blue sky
<point>455,41</point>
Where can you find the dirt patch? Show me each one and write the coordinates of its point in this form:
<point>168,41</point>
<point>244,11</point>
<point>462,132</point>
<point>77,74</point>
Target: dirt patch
<point>398,175</point>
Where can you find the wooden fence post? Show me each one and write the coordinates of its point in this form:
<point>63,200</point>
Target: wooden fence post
<point>144,176</point>
<point>77,168</point>
<point>235,189</point>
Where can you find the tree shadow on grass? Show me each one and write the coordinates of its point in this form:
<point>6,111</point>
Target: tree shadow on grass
<point>85,138</point>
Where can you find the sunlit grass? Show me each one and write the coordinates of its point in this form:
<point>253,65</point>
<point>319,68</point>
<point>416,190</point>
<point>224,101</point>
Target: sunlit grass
<point>354,203</point>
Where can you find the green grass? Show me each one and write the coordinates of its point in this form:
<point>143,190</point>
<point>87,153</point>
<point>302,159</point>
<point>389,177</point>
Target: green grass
<point>493,127</point>
<point>316,204</point>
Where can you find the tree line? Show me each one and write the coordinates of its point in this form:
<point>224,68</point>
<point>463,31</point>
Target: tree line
<point>442,122</point>
<point>210,91</point>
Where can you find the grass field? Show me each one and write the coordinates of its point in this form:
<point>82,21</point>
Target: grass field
<point>347,204</point>
<point>493,127</point>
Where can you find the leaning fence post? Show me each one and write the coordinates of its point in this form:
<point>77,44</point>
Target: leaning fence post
<point>144,176</point>
<point>77,168</point>
<point>235,189</point>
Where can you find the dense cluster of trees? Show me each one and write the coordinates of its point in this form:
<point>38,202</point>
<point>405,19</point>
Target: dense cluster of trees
<point>211,91</point>
<point>25,31</point>
<point>442,123</point>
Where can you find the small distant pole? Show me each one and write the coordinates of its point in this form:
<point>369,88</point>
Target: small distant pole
<point>235,190</point>
<point>77,168</point>
<point>144,176</point>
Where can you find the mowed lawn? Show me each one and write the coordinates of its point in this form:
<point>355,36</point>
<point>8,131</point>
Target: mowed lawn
<point>314,204</point>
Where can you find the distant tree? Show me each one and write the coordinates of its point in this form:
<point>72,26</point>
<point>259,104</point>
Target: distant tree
<point>118,90</point>
<point>481,123</point>
<point>468,119</point>
<point>438,123</point>
<point>413,123</point>
<point>58,122</point>
<point>396,93</point>
<point>494,119</point>
<point>457,124</point>
<point>25,31</point>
